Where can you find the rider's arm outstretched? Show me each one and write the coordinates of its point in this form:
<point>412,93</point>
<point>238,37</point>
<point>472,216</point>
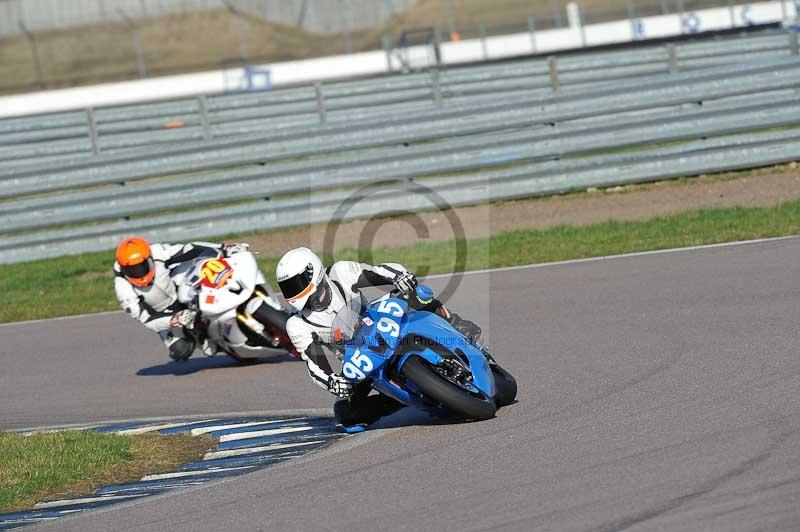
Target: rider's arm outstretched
<point>362,275</point>
<point>405,282</point>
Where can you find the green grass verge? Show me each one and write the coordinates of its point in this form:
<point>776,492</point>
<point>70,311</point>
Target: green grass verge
<point>41,466</point>
<point>82,284</point>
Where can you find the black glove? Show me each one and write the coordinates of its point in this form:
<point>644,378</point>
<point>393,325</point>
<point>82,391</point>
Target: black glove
<point>405,283</point>
<point>340,386</point>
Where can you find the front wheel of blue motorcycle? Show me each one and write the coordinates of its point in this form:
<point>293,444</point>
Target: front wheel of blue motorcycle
<point>505,384</point>
<point>457,400</point>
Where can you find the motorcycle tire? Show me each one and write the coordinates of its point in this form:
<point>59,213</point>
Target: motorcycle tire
<point>456,399</point>
<point>505,386</point>
<point>275,323</point>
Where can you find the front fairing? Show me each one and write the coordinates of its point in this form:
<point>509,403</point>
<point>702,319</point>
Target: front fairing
<point>376,336</point>
<point>376,353</point>
<point>434,335</point>
<point>221,302</point>
<point>369,354</point>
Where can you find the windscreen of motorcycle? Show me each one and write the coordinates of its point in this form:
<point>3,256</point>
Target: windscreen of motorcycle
<point>347,320</point>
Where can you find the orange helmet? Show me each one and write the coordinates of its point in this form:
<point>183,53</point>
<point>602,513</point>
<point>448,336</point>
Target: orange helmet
<point>136,261</point>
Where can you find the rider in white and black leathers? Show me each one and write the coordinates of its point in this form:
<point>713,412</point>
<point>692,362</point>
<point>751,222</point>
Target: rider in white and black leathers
<point>317,295</point>
<point>146,290</point>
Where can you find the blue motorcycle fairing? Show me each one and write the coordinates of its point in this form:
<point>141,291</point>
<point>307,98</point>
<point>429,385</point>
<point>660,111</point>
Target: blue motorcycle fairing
<point>364,360</point>
<point>398,392</point>
<point>364,354</point>
<point>386,323</point>
<point>434,328</point>
<point>423,334</point>
<point>355,353</point>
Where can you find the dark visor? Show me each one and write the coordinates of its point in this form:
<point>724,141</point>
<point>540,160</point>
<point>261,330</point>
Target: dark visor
<point>137,271</point>
<point>294,285</point>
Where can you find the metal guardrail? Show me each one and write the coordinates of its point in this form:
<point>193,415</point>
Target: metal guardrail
<point>471,149</point>
<point>19,154</point>
<point>238,185</point>
<point>413,160</point>
<point>730,46</point>
<point>412,89</point>
<point>523,182</point>
<point>480,116</point>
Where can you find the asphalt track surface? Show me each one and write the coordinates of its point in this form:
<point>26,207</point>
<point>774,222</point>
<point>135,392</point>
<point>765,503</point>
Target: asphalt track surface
<point>657,392</point>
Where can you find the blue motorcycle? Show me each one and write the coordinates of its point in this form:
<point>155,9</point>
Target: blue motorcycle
<point>419,359</point>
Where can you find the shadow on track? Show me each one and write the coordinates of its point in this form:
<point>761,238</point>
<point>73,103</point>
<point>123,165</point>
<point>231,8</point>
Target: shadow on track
<point>195,364</point>
<point>409,417</point>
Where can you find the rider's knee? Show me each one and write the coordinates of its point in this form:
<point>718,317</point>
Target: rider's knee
<point>364,409</point>
<point>180,349</point>
<point>344,413</point>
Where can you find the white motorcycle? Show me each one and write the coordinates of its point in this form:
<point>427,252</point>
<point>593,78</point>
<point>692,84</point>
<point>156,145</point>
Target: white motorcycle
<point>236,314</point>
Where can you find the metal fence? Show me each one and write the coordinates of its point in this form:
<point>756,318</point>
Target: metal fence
<point>112,129</point>
<point>131,39</point>
<point>485,133</point>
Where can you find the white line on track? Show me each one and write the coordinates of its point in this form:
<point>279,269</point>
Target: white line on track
<point>136,487</point>
<point>188,418</point>
<point>85,500</point>
<point>153,428</point>
<point>34,520</point>
<point>185,474</point>
<point>212,455</point>
<point>261,433</point>
<point>620,256</point>
<point>62,318</point>
<point>206,430</point>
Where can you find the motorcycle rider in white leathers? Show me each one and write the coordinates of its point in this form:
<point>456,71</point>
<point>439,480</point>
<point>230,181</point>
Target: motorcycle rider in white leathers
<point>317,294</point>
<point>146,290</point>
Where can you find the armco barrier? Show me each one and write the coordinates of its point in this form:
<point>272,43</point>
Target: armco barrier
<point>239,185</point>
<point>508,184</point>
<point>486,145</point>
<point>486,117</point>
<point>359,93</point>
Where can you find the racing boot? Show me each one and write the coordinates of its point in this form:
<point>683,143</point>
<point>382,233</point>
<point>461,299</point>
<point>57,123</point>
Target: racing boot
<point>422,299</point>
<point>360,409</point>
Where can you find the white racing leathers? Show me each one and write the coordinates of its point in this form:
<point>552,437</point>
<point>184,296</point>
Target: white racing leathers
<point>309,330</point>
<point>154,305</point>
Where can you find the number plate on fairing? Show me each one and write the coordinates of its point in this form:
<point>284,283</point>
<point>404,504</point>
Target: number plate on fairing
<point>380,330</point>
<point>215,273</point>
<point>360,363</point>
<point>388,316</point>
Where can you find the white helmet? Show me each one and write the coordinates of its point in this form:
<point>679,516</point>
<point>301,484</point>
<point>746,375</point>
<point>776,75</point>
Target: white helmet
<point>302,279</point>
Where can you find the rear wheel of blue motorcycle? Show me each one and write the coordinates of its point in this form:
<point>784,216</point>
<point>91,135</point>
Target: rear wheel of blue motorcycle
<point>505,385</point>
<point>438,389</point>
